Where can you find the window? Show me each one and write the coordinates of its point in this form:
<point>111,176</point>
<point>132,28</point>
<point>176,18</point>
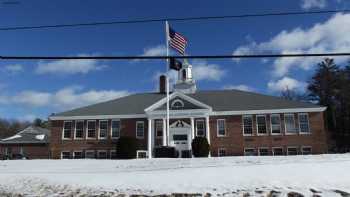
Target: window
<point>200,128</point>
<point>177,104</point>
<point>292,151</point>
<point>140,129</point>
<point>78,155</point>
<point>261,124</point>
<point>141,154</point>
<point>277,151</point>
<point>304,123</point>
<point>221,152</point>
<point>306,150</point>
<point>159,128</point>
<point>67,129</point>
<point>248,125</point>
<point>180,137</point>
<point>290,123</point>
<point>90,154</point>
<point>249,151</point>
<point>65,155</point>
<point>221,127</point>
<point>79,129</point>
<point>113,154</point>
<point>91,129</point>
<point>115,129</point>
<point>103,130</point>
<point>102,154</point>
<point>263,151</point>
<point>275,124</point>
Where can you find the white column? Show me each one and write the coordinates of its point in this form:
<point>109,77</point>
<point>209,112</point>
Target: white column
<point>164,132</point>
<point>149,138</point>
<point>208,132</point>
<point>192,128</point>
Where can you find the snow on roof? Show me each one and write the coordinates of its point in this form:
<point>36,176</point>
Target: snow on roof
<point>12,137</point>
<point>40,137</point>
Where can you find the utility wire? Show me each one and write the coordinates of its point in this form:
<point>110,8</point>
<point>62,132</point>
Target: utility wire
<point>171,19</point>
<point>168,57</point>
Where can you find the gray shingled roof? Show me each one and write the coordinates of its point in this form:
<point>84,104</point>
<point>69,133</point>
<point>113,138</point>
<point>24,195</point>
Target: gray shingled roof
<point>29,135</point>
<point>219,100</point>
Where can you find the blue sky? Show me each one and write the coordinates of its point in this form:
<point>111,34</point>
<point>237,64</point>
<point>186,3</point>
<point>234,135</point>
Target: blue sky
<point>31,89</point>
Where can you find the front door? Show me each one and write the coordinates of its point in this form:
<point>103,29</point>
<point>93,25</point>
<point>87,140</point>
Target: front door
<point>180,135</point>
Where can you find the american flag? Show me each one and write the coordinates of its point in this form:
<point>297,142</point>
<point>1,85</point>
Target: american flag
<point>177,41</point>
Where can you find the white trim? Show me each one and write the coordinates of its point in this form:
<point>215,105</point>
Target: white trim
<point>251,116</point>
<point>175,101</point>
<point>99,130</point>
<point>143,124</point>
<point>308,124</point>
<point>279,117</point>
<point>196,128</point>
<point>269,111</point>
<point>217,128</point>
<point>179,94</point>
<point>64,138</point>
<point>97,117</point>
<point>288,147</point>
<point>78,151</point>
<point>65,152</point>
<point>141,151</point>
<point>277,147</point>
<point>244,151</point>
<point>87,129</point>
<point>111,131</point>
<point>220,149</point>
<point>285,125</point>
<point>257,127</point>
<point>302,147</point>
<point>75,130</point>
<point>268,152</point>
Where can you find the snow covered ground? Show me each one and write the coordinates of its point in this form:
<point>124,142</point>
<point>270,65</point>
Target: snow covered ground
<point>324,175</point>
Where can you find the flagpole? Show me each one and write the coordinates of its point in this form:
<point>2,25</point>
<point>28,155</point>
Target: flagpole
<point>167,86</point>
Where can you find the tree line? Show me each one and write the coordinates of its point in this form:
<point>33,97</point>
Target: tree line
<point>11,127</point>
<point>330,86</point>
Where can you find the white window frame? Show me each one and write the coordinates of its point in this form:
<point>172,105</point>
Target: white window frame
<point>143,133</point>
<point>110,153</point>
<point>99,130</point>
<point>250,116</point>
<point>90,151</point>
<point>277,147</point>
<point>285,125</point>
<point>279,117</point>
<point>64,122</point>
<point>102,151</point>
<point>308,123</point>
<point>204,127</point>
<point>257,128</point>
<point>66,152</point>
<point>260,148</point>
<point>217,128</point>
<point>222,149</point>
<point>245,149</point>
<point>288,147</point>
<point>155,128</point>
<point>302,147</point>
<point>141,151</point>
<point>75,130</point>
<point>78,151</point>
<point>115,120</point>
<point>87,129</point>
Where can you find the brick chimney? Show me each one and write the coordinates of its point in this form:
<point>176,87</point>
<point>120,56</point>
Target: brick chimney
<point>162,84</point>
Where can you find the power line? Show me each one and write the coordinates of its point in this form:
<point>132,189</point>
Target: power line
<point>168,57</point>
<point>170,19</point>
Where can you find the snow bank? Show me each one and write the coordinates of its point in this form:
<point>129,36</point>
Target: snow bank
<point>303,174</point>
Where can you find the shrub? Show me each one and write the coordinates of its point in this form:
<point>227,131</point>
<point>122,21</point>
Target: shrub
<point>200,147</point>
<point>165,152</point>
<point>126,148</point>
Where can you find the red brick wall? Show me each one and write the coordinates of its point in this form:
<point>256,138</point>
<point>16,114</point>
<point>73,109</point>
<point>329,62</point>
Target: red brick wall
<point>32,151</point>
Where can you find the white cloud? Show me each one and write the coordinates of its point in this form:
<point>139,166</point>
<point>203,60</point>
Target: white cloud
<point>66,98</point>
<point>69,66</point>
<point>309,4</point>
<point>239,87</point>
<point>286,83</point>
<point>328,37</point>
<point>205,71</point>
<point>154,51</point>
<point>13,68</point>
